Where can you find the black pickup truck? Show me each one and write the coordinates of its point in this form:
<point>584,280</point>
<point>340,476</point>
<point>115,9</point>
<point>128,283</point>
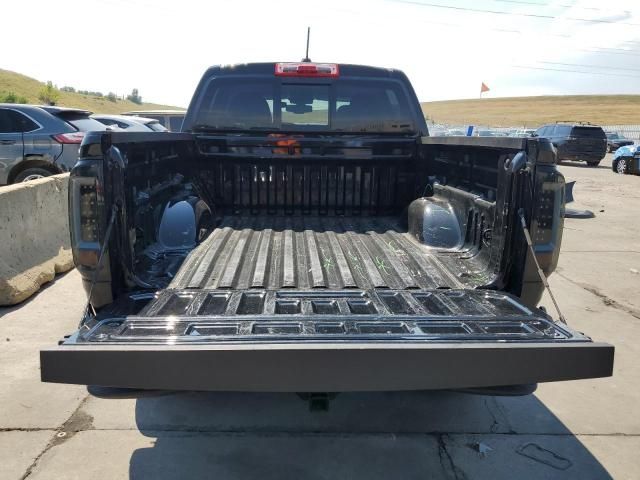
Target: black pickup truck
<point>304,233</point>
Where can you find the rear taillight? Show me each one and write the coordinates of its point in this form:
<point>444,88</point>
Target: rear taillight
<point>74,137</point>
<point>89,227</point>
<point>305,69</point>
<point>548,217</point>
<point>85,219</point>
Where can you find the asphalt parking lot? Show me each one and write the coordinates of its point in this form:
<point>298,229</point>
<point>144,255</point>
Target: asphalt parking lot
<point>582,429</point>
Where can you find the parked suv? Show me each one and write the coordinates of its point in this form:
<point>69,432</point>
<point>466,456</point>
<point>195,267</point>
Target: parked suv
<point>38,141</point>
<point>576,141</point>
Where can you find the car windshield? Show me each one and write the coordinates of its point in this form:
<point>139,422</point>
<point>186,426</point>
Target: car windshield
<point>270,104</point>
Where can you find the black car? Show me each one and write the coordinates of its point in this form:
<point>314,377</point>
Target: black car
<point>615,141</point>
<point>38,141</point>
<point>576,141</point>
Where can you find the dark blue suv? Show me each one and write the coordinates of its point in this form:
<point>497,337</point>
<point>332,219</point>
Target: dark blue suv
<point>576,141</point>
<point>38,141</point>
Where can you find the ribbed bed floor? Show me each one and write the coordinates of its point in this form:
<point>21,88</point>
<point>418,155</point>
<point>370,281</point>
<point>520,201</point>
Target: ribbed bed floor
<point>312,252</point>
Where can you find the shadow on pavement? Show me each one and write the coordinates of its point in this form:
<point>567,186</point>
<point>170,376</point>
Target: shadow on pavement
<point>362,435</point>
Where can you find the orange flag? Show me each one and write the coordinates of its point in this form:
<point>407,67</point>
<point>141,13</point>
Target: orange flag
<point>483,88</point>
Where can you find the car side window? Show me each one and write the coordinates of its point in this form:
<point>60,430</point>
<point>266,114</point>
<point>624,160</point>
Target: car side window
<point>24,123</point>
<point>6,125</point>
<point>15,122</point>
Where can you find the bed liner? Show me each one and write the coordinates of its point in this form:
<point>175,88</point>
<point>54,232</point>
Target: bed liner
<point>321,252</point>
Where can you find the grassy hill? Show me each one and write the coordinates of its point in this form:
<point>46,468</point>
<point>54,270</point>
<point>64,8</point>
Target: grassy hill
<point>533,111</point>
<point>29,88</point>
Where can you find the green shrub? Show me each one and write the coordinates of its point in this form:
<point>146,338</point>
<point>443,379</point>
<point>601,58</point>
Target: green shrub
<point>90,93</point>
<point>11,97</point>
<point>49,94</point>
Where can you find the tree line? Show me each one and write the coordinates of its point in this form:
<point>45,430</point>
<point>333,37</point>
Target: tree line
<point>134,96</point>
<point>49,94</point>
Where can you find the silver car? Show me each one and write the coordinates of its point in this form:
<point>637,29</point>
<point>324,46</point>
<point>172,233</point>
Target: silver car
<point>38,141</point>
<point>130,124</point>
<point>172,119</point>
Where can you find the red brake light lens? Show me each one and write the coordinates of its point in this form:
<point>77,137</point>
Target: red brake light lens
<point>74,137</point>
<point>306,69</point>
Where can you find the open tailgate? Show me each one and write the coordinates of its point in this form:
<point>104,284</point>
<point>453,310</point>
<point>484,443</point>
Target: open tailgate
<point>324,341</point>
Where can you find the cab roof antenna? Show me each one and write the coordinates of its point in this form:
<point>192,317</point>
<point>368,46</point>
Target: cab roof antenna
<point>306,57</point>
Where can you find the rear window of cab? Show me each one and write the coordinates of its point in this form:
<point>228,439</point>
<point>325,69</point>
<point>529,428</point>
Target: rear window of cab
<point>340,105</point>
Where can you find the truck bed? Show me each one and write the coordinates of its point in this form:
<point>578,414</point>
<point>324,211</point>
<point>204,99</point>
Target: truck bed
<point>315,252</point>
<point>316,273</point>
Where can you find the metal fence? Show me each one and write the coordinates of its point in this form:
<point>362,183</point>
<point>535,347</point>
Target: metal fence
<point>632,132</point>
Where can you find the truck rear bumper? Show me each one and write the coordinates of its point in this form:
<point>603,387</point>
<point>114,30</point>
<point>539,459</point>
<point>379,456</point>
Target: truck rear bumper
<point>325,367</point>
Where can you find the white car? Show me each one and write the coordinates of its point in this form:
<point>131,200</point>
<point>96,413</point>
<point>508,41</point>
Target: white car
<point>524,132</point>
<point>130,124</point>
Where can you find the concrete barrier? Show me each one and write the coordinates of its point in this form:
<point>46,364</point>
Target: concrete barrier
<point>34,236</point>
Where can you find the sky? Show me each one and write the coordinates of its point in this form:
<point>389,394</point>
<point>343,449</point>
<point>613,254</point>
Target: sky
<point>447,48</point>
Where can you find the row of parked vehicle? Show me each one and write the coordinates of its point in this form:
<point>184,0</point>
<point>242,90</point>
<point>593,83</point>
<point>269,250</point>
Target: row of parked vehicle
<point>579,141</point>
<point>38,141</point>
<point>484,132</point>
<point>575,141</point>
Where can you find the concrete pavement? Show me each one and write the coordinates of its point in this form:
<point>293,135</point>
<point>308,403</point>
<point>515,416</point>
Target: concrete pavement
<point>583,429</point>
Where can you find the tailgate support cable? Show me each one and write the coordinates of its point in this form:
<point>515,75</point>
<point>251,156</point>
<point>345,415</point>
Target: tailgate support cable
<point>96,272</point>
<point>541,274</point>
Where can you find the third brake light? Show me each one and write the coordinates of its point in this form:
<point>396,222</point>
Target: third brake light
<point>306,69</point>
